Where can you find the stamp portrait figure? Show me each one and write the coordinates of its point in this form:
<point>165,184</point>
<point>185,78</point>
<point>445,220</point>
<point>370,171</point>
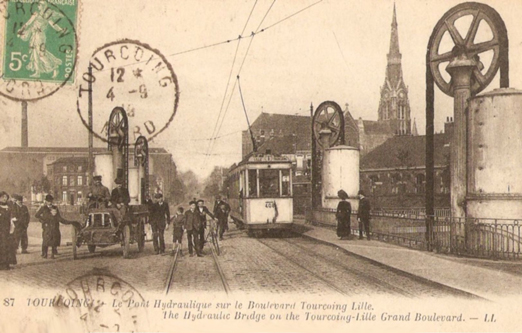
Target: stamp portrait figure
<point>41,60</point>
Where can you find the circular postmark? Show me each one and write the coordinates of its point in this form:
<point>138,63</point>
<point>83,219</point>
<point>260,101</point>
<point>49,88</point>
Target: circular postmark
<point>38,44</point>
<point>100,301</point>
<point>134,76</point>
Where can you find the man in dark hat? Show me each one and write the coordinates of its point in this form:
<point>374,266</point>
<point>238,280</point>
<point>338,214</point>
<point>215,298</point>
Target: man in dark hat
<point>221,212</point>
<point>159,217</point>
<point>21,221</point>
<point>99,193</point>
<point>363,215</point>
<point>51,236</point>
<point>192,226</point>
<point>120,197</point>
<point>7,248</point>
<point>203,212</point>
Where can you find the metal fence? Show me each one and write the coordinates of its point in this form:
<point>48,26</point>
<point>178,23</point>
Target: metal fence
<point>482,238</point>
<point>485,238</point>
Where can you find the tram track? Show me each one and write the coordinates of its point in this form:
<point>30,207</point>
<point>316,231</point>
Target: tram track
<point>359,273</point>
<point>171,275</point>
<point>329,284</point>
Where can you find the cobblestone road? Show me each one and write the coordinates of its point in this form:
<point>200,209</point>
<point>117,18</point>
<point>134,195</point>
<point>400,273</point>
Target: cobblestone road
<point>267,265</point>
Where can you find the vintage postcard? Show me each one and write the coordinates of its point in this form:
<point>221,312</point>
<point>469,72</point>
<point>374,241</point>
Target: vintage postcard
<point>260,166</point>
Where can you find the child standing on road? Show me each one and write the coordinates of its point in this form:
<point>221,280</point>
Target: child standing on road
<point>177,229</point>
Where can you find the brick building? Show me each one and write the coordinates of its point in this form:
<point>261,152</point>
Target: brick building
<point>22,170</point>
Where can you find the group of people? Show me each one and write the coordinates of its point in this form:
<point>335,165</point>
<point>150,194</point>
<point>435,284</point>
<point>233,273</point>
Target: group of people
<point>14,221</point>
<point>344,213</point>
<point>193,221</point>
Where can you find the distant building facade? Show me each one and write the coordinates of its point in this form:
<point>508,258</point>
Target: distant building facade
<point>394,174</point>
<point>23,170</point>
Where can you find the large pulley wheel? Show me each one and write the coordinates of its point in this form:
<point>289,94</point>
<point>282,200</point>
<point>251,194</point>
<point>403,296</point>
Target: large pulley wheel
<point>328,120</point>
<point>141,149</point>
<point>118,128</point>
<point>483,41</point>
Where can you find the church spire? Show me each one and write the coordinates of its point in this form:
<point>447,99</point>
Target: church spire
<point>394,38</point>
<point>394,106</point>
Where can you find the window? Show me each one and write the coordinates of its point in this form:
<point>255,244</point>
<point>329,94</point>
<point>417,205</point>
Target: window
<point>252,183</point>
<point>285,182</point>
<point>80,196</point>
<point>64,196</point>
<point>269,183</point>
<point>71,181</point>
<point>80,180</point>
<point>64,168</point>
<point>80,168</point>
<point>64,180</point>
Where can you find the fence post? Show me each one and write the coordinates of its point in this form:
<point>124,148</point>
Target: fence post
<point>495,241</point>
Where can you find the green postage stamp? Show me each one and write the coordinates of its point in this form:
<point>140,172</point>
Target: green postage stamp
<point>39,41</point>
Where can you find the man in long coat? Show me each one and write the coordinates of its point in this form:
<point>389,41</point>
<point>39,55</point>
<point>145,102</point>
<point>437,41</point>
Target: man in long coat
<point>159,217</point>
<point>192,226</point>
<point>51,236</point>
<point>7,248</point>
<point>203,212</point>
<point>221,211</point>
<point>21,221</point>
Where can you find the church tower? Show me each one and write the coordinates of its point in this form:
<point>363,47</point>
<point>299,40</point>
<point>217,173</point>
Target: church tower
<point>394,106</point>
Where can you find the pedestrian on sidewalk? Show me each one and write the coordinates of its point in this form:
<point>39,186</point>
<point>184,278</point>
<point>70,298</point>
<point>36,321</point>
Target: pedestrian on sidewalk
<point>177,229</point>
<point>364,215</point>
<point>7,239</point>
<point>192,226</point>
<point>21,221</point>
<point>344,211</point>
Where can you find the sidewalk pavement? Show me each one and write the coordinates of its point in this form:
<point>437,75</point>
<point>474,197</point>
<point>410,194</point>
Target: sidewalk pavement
<point>488,279</point>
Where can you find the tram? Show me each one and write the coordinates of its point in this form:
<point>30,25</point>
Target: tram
<point>260,193</point>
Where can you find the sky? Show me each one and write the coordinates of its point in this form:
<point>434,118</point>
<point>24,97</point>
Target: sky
<point>309,52</point>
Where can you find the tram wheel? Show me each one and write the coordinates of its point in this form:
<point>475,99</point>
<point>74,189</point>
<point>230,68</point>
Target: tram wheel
<point>126,241</point>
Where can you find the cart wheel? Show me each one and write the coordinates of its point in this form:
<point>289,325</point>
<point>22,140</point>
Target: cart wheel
<point>92,248</point>
<point>74,242</point>
<point>126,241</point>
<point>141,236</point>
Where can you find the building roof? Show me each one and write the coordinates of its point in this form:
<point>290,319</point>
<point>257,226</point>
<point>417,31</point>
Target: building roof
<point>406,151</point>
<point>288,144</point>
<point>377,127</point>
<point>71,160</point>
<point>283,123</point>
<point>67,150</point>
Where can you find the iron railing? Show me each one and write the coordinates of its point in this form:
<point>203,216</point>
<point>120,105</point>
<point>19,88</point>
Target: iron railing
<point>474,237</point>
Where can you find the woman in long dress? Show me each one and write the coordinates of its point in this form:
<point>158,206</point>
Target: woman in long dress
<point>41,61</point>
<point>344,211</point>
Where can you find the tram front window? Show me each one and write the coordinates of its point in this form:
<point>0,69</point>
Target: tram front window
<point>252,183</point>
<point>269,183</point>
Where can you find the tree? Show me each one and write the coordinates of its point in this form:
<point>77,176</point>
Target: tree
<point>213,185</point>
<point>191,185</point>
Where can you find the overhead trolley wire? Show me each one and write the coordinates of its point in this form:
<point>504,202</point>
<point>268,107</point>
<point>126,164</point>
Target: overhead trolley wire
<point>239,72</point>
<point>214,133</point>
